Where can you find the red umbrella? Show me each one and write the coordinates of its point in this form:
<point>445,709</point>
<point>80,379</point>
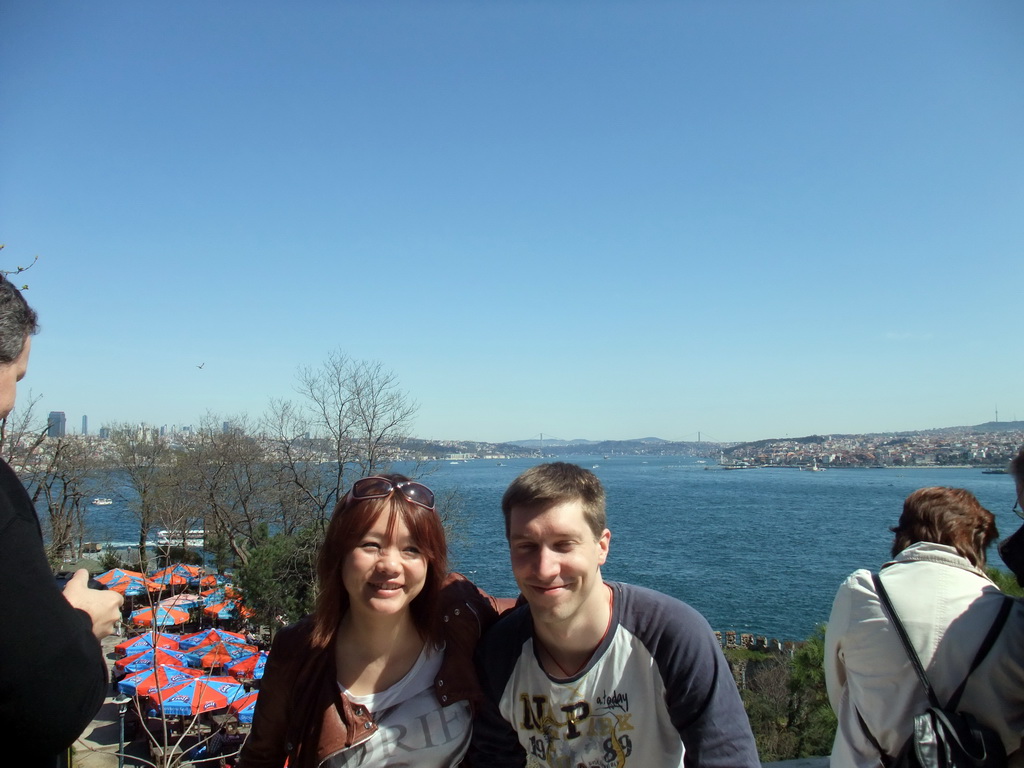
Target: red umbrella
<point>159,616</point>
<point>127,582</point>
<point>149,659</point>
<point>218,654</point>
<point>208,636</point>
<point>114,575</point>
<point>250,666</point>
<point>201,694</point>
<point>183,601</point>
<point>227,609</point>
<point>243,708</point>
<point>147,681</point>
<point>145,642</point>
<point>179,573</point>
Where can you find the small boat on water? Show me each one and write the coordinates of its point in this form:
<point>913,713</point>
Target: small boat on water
<point>193,538</point>
<point>102,502</point>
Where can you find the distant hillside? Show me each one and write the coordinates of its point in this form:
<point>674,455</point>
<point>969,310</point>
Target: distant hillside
<point>991,427</point>
<point>988,426</point>
<point>549,443</point>
<point>653,446</point>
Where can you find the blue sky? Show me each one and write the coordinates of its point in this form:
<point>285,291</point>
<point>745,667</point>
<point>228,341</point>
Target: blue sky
<point>592,219</point>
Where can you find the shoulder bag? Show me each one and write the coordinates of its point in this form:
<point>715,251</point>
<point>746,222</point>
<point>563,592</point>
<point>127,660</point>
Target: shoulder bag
<point>944,737</point>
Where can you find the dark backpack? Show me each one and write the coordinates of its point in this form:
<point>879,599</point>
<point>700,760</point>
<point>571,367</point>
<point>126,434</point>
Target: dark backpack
<point>943,737</point>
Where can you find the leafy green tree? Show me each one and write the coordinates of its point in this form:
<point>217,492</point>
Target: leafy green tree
<point>810,716</point>
<point>278,580</point>
<point>786,700</point>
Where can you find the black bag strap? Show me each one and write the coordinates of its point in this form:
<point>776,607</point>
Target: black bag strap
<point>986,645</point>
<point>883,756</point>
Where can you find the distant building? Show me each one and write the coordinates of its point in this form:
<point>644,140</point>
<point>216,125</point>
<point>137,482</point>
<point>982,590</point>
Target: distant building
<point>56,424</point>
<point>85,425</point>
<point>105,433</point>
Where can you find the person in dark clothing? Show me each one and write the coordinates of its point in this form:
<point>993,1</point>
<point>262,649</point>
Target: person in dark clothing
<point>53,677</point>
<point>1011,550</point>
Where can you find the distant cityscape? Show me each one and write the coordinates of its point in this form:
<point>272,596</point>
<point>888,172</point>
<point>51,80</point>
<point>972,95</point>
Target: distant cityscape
<point>990,445</point>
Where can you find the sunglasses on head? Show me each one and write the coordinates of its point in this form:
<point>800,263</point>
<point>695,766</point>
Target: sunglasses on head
<point>381,487</point>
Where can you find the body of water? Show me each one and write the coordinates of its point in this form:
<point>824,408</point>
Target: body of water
<point>755,550</point>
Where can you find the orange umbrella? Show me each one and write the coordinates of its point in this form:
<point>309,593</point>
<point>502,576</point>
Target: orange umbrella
<point>208,636</point>
<point>244,707</point>
<point>152,658</point>
<point>147,681</point>
<point>127,582</point>
<point>176,574</point>
<point>144,642</point>
<point>200,694</point>
<point>159,616</point>
<point>248,666</point>
<point>183,601</point>
<point>218,654</point>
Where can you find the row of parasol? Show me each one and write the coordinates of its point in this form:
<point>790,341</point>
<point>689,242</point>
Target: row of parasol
<point>175,672</point>
<point>217,598</point>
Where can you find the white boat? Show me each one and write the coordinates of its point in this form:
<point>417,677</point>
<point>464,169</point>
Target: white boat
<point>193,538</point>
<point>102,502</point>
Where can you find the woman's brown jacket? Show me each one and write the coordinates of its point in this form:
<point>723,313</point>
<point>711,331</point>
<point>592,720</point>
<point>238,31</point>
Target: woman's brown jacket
<point>301,714</point>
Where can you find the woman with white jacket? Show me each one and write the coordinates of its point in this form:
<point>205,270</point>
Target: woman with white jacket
<point>938,587</point>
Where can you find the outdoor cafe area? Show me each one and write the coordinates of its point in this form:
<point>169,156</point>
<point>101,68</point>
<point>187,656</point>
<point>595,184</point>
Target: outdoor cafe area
<point>188,673</point>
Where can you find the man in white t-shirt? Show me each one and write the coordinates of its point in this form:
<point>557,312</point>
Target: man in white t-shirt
<point>597,673</point>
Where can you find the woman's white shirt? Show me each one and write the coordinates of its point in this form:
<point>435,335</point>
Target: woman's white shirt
<point>413,729</point>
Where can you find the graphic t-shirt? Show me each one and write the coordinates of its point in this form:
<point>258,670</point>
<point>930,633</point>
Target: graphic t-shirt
<point>656,691</point>
<point>413,728</point>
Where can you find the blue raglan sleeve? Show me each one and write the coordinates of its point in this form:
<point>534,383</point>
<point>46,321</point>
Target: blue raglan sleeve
<point>701,695</point>
<point>495,743</point>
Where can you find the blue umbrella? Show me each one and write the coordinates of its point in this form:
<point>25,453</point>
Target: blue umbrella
<point>134,588</point>
<point>201,694</point>
<point>159,616</point>
<point>211,635</point>
<point>146,641</point>
<point>154,678</point>
<point>150,658</point>
<point>213,579</point>
<point>217,654</point>
<point>244,707</point>
<point>250,665</point>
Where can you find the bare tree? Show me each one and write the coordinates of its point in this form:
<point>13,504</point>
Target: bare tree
<point>54,471</point>
<point>382,413</point>
<point>21,435</point>
<point>350,422</point>
<point>304,490</point>
<point>60,483</point>
<point>227,472</point>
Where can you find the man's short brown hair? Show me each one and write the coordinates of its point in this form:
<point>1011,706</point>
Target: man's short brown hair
<point>556,483</point>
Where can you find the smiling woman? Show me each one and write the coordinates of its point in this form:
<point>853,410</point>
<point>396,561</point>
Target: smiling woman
<point>387,653</point>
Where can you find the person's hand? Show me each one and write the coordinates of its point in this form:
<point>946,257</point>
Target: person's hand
<point>102,605</point>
